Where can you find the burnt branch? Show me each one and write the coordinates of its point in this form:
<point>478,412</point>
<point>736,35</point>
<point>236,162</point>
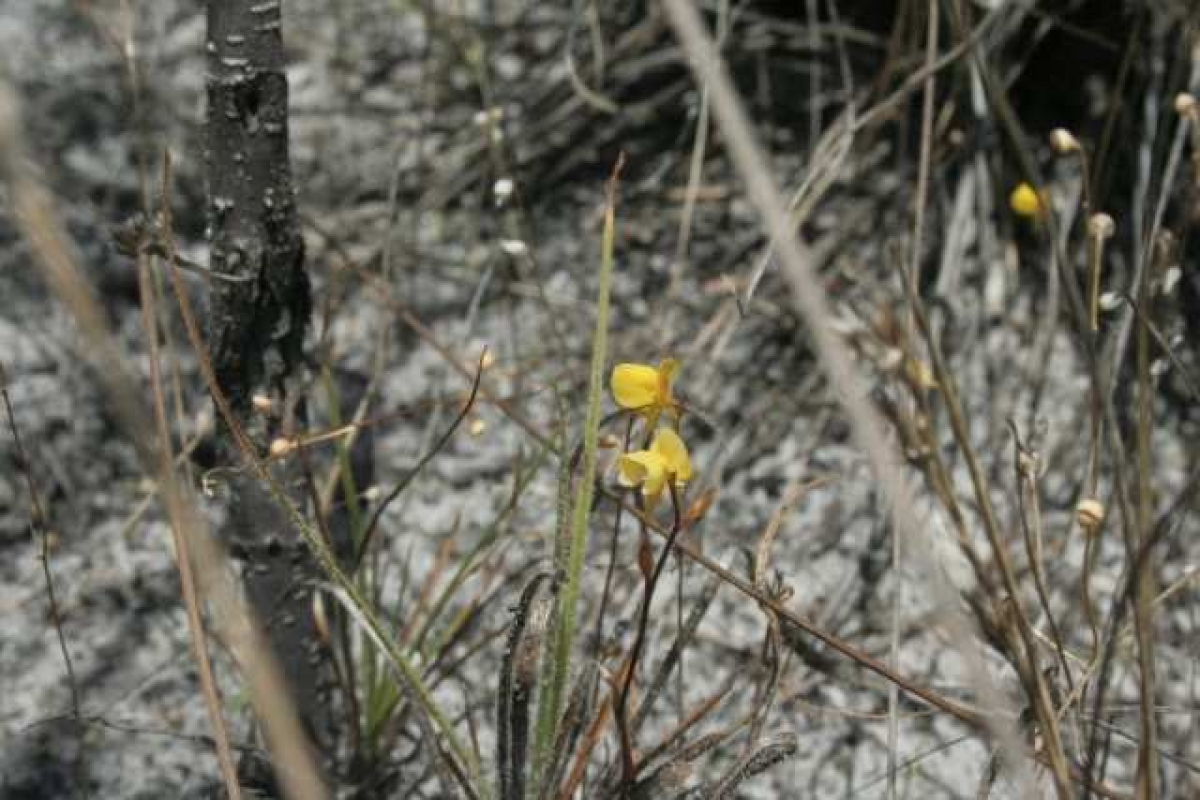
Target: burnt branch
<point>257,324</point>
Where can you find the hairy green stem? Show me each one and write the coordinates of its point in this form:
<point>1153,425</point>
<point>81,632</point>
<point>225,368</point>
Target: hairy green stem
<point>567,610</point>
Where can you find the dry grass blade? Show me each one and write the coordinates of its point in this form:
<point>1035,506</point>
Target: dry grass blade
<point>37,527</point>
<point>446,761</point>
<point>898,553</point>
<point>668,780</point>
<point>1022,650</point>
<point>809,298</point>
<point>579,709</point>
<point>425,459</point>
<point>682,639</point>
<point>671,740</point>
<point>769,689</point>
<point>791,496</point>
<point>1167,523</point>
<point>779,748</point>
<point>518,676</point>
<point>790,617</point>
<point>187,580</point>
<point>56,256</point>
<point>348,591</point>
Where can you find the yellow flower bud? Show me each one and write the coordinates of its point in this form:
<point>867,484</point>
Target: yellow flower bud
<point>1026,202</point>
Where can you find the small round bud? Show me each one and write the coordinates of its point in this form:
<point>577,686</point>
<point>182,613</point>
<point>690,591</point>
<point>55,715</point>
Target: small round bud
<point>1090,514</point>
<point>514,247</point>
<point>1064,142</point>
<point>1185,104</point>
<point>502,189</point>
<point>1101,226</point>
<point>262,403</point>
<point>282,446</point>
<point>1026,202</point>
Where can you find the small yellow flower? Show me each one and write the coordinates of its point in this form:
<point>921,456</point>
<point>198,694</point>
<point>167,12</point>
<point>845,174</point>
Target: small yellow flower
<point>646,389</point>
<point>667,459</point>
<point>1026,202</point>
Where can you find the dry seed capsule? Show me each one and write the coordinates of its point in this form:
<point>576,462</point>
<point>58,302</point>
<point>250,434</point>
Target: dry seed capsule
<point>1090,515</point>
<point>1101,225</point>
<point>1064,142</point>
<point>1185,104</point>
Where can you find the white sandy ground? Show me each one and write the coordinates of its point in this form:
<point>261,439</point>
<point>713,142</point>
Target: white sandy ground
<point>114,572</point>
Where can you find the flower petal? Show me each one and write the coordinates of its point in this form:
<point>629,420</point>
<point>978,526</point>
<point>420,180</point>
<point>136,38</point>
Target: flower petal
<point>670,448</point>
<point>634,385</point>
<point>640,468</point>
<point>654,483</point>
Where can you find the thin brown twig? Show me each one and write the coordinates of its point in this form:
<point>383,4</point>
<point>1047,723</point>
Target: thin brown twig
<point>651,583</point>
<point>122,45</point>
<point>183,560</point>
<point>373,523</point>
<point>37,527</point>
<point>1025,470</point>
<point>810,300</point>
<point>1027,666</point>
<point>980,721</point>
<point>913,276</point>
<point>690,719</point>
<point>56,255</point>
<point>345,591</point>
<point>590,740</point>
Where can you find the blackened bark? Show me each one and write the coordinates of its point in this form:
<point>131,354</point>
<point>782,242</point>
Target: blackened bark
<point>256,328</point>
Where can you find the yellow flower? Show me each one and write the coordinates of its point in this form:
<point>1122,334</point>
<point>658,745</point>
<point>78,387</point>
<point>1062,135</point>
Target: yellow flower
<point>667,459</point>
<point>1025,201</point>
<point>646,389</point>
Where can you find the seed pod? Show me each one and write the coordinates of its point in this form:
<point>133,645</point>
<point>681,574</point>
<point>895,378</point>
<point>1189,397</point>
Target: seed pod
<point>1064,142</point>
<point>1185,104</point>
<point>645,557</point>
<point>700,506</point>
<point>1090,515</point>
<point>1101,226</point>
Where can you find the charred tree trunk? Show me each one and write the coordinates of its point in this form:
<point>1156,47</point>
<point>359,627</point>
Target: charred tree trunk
<point>257,327</point>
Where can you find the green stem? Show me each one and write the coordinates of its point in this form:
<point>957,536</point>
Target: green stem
<point>566,617</point>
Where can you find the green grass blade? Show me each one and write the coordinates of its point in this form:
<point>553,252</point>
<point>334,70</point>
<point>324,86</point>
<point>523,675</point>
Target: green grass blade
<point>563,638</point>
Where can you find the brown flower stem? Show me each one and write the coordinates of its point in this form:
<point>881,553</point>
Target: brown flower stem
<point>606,594</point>
<point>651,582</point>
